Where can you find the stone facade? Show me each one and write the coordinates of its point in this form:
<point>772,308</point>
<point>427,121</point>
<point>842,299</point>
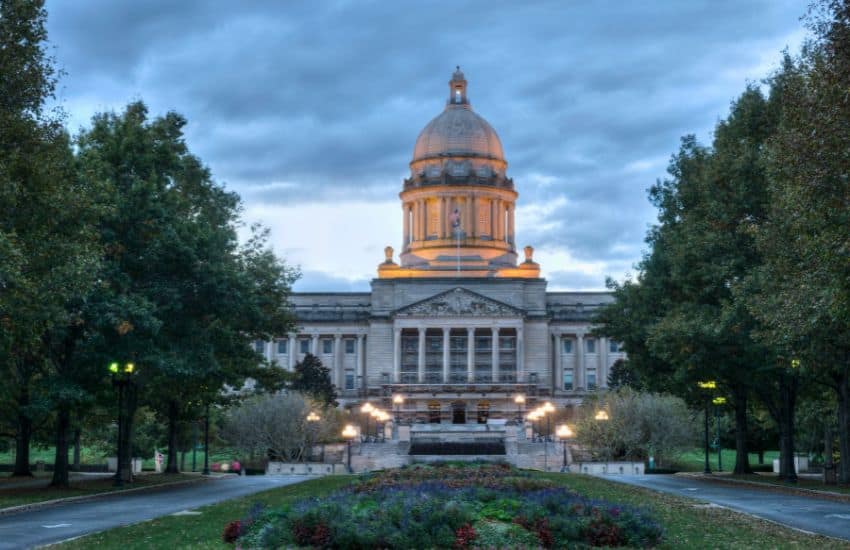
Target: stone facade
<point>457,327</point>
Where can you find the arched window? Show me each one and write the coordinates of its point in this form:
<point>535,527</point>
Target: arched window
<point>457,95</point>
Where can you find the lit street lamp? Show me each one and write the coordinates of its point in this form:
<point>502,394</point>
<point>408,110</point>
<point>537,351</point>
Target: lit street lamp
<point>312,418</point>
<point>206,470</point>
<point>707,385</point>
<point>548,408</point>
<point>366,409</point>
<point>398,399</point>
<point>717,402</point>
<point>564,432</point>
<point>349,433</point>
<point>121,379</point>
<point>601,415</point>
<point>520,401</point>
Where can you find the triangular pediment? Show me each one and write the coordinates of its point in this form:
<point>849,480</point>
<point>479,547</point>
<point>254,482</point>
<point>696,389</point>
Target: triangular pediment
<point>459,302</point>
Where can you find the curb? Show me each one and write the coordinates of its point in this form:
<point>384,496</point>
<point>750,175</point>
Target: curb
<point>11,510</point>
<point>791,490</point>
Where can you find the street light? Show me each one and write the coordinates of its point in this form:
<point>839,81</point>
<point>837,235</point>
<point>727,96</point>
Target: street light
<point>349,433</point>
<point>718,401</point>
<point>398,399</point>
<point>121,375</point>
<point>366,409</point>
<point>520,401</point>
<point>312,418</point>
<point>601,415</point>
<point>548,408</point>
<point>564,432</point>
<point>707,385</point>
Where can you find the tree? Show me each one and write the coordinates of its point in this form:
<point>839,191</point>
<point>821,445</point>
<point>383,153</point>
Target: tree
<point>314,379</point>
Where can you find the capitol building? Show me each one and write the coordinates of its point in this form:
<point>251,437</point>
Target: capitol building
<point>460,322</point>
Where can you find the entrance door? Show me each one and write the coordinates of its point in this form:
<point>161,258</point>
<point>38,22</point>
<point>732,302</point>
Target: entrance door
<point>459,413</point>
<point>483,411</point>
<point>434,412</point>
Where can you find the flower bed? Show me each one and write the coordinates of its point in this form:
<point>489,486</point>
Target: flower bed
<point>447,506</point>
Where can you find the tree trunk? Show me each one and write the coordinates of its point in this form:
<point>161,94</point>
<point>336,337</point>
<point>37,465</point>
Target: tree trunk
<point>787,405</point>
<point>761,456</point>
<point>127,434</point>
<point>60,461</point>
<point>742,457</point>
<point>843,390</point>
<point>173,410</point>
<point>182,461</point>
<point>76,466</point>
<point>22,441</point>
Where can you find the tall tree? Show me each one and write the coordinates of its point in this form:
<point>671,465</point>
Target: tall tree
<point>314,379</point>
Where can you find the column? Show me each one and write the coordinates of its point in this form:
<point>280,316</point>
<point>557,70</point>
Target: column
<point>315,345</point>
<point>469,223</point>
<point>397,355</point>
<point>602,370</point>
<point>443,233</point>
<point>446,332</point>
<point>511,225</point>
<point>406,223</point>
<point>578,375</point>
<point>520,355</point>
<point>470,354</point>
<point>421,363</point>
<point>359,367</point>
<point>292,351</point>
<point>500,219</point>
<point>423,224</point>
<point>558,349</point>
<point>495,347</point>
<point>339,372</point>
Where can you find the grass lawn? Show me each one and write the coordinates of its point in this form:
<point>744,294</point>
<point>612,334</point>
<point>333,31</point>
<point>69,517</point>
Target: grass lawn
<point>694,461</point>
<point>90,456</point>
<point>28,495</point>
<point>687,524</point>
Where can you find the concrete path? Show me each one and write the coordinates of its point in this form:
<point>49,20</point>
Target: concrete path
<point>61,522</point>
<point>816,515</point>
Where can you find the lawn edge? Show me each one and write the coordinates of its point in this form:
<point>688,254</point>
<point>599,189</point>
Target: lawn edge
<point>11,510</point>
<point>772,487</point>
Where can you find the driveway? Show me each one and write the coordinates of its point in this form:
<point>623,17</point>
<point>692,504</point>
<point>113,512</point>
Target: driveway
<point>809,513</point>
<point>41,527</point>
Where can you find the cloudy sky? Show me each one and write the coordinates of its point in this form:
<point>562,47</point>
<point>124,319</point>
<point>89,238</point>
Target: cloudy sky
<point>310,109</point>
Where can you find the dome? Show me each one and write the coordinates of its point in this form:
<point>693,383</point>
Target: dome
<point>458,130</point>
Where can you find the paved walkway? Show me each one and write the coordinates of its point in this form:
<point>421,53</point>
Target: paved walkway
<point>809,513</point>
<point>41,527</point>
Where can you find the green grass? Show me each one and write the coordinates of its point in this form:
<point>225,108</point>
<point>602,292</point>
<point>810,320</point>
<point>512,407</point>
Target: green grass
<point>91,456</point>
<point>687,523</point>
<point>694,461</point>
<point>28,495</point>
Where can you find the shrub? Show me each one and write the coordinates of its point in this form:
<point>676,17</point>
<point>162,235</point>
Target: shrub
<point>495,534</point>
<point>232,531</point>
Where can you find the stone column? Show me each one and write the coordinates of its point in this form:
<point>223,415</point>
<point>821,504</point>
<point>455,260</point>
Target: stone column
<point>495,346</point>
<point>602,370</point>
<point>443,233</point>
<point>397,355</point>
<point>315,345</point>
<point>511,225</point>
<point>470,354</point>
<point>421,363</point>
<point>469,224</point>
<point>360,366</point>
<point>578,374</point>
<point>406,224</point>
<point>558,349</point>
<point>446,332</point>
<point>520,355</point>
<point>292,351</point>
<point>339,372</point>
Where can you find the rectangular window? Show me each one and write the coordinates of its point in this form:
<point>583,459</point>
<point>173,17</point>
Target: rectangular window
<point>591,379</point>
<point>259,346</point>
<point>590,345</point>
<point>349,380</point>
<point>304,346</point>
<point>567,344</point>
<point>614,346</point>
<point>568,380</point>
<point>282,347</point>
<point>349,346</point>
<point>327,346</point>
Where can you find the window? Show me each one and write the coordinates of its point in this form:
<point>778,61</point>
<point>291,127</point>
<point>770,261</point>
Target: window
<point>590,345</point>
<point>591,379</point>
<point>614,346</point>
<point>259,346</point>
<point>349,346</point>
<point>567,345</point>
<point>327,346</point>
<point>282,347</point>
<point>304,345</point>
<point>568,380</point>
<point>349,380</point>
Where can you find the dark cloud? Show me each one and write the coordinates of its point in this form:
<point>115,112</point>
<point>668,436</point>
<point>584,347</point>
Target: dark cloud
<point>294,101</point>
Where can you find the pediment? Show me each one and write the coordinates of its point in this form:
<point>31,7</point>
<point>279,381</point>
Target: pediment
<point>459,302</point>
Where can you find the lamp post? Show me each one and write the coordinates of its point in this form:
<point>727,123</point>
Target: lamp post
<point>349,433</point>
<point>717,402</point>
<point>366,409</point>
<point>120,380</point>
<point>602,416</point>
<point>206,470</point>
<point>312,418</point>
<point>398,399</point>
<point>707,385</point>
<point>564,432</point>
<point>548,409</point>
<point>520,401</point>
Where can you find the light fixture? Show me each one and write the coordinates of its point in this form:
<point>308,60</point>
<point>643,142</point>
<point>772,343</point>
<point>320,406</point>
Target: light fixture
<point>601,415</point>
